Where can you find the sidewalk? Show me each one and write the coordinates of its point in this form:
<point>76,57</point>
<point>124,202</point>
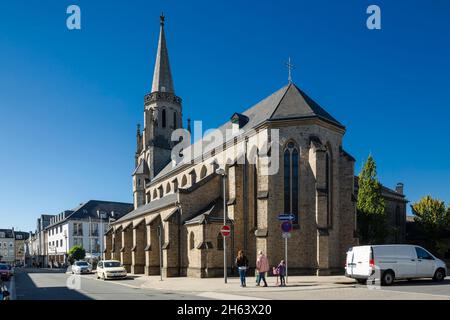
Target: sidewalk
<point>295,283</point>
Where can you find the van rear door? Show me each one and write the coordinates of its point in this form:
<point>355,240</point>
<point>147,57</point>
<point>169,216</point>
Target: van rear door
<point>361,261</point>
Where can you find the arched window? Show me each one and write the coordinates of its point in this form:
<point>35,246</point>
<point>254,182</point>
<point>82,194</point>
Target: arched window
<point>203,172</point>
<point>174,119</point>
<point>168,188</point>
<point>163,118</point>
<point>191,240</point>
<point>184,181</point>
<point>291,174</point>
<point>155,194</point>
<point>329,186</point>
<point>219,241</point>
<point>161,191</point>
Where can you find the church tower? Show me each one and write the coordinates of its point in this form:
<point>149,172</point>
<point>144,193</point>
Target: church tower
<point>162,115</point>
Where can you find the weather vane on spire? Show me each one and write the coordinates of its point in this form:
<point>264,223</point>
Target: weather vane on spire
<point>161,17</point>
<point>290,67</point>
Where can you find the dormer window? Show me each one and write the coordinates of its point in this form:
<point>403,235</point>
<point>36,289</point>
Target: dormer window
<point>238,121</point>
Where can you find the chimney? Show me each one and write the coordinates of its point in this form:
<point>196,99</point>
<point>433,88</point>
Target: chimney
<point>399,188</point>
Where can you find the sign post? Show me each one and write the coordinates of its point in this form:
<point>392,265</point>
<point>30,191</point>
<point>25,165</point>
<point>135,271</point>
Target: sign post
<point>225,231</point>
<point>286,228</point>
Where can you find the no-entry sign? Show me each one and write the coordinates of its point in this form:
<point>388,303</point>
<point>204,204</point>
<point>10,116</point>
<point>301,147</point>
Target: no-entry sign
<point>225,231</point>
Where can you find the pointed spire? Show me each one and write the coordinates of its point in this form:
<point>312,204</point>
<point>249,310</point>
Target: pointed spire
<point>162,77</point>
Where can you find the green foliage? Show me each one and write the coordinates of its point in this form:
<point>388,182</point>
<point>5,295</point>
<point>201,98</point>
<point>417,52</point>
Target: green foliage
<point>434,219</point>
<point>372,224</point>
<point>76,253</point>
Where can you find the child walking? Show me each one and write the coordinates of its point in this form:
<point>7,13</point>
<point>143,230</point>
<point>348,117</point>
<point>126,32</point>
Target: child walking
<point>281,270</point>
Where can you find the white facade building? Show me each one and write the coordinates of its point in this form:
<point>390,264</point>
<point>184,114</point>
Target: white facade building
<point>7,248</point>
<point>83,226</point>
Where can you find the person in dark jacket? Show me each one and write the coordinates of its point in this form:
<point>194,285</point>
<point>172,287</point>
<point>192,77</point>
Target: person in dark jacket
<point>242,265</point>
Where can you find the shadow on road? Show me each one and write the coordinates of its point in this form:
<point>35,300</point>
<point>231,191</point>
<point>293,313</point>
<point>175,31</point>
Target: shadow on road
<point>420,282</point>
<point>26,289</point>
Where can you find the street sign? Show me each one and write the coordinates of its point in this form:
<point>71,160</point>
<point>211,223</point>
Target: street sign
<point>286,226</point>
<point>286,235</point>
<point>286,217</point>
<point>225,231</point>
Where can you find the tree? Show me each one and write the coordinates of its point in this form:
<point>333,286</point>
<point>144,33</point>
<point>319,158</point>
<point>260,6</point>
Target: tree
<point>76,253</point>
<point>434,219</point>
<point>372,225</point>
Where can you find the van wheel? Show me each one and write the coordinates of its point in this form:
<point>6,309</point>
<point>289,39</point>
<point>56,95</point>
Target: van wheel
<point>439,275</point>
<point>388,278</point>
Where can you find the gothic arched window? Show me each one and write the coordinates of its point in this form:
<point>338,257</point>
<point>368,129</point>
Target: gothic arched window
<point>191,240</point>
<point>164,118</point>
<point>291,173</point>
<point>174,119</point>
<point>329,186</point>
<point>219,241</point>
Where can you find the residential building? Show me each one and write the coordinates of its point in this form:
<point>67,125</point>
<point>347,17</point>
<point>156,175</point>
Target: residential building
<point>84,226</point>
<point>7,248</point>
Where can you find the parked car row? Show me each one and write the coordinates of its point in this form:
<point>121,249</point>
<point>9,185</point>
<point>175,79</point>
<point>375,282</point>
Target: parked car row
<point>388,263</point>
<point>107,269</point>
<point>6,271</point>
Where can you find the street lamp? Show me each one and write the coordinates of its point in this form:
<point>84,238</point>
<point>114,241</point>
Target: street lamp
<point>223,173</point>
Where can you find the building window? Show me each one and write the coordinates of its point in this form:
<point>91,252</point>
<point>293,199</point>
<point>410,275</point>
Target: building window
<point>164,118</point>
<point>191,240</point>
<point>60,228</point>
<point>78,241</point>
<point>60,243</point>
<point>2,235</point>
<point>328,186</point>
<point>93,232</point>
<point>175,120</point>
<point>291,174</point>
<point>78,229</point>
<point>94,245</point>
<point>219,242</point>
<point>255,195</point>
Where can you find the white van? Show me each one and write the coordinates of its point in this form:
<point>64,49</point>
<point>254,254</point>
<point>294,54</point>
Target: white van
<point>393,262</point>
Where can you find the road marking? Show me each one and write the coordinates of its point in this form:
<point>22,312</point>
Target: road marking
<point>226,296</point>
<point>416,293</point>
<point>12,288</point>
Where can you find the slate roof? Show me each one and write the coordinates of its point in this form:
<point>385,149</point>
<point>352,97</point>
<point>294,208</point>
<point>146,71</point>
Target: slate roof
<point>25,235</point>
<point>170,199</point>
<point>288,102</point>
<point>8,233</point>
<point>89,210</point>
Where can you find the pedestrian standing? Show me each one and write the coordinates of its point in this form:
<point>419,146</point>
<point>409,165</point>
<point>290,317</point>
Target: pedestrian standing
<point>242,265</point>
<point>262,266</point>
<point>281,269</point>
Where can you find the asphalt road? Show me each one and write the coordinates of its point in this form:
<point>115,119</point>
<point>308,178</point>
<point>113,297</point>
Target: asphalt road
<point>48,285</point>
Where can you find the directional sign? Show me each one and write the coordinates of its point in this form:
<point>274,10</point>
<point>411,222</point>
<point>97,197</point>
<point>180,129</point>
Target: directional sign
<point>225,231</point>
<point>286,217</point>
<point>286,226</point>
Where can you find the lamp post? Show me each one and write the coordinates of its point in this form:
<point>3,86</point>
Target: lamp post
<point>223,173</point>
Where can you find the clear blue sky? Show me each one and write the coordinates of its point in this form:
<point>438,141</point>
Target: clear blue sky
<point>70,100</point>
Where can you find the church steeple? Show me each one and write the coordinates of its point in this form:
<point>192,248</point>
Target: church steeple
<point>162,77</point>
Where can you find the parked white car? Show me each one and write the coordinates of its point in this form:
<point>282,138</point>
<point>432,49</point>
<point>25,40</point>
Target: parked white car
<point>111,269</point>
<point>393,262</point>
<point>80,267</point>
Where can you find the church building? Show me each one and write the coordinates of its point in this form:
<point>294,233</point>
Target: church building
<point>179,207</point>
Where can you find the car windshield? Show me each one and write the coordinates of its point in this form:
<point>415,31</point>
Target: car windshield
<point>112,264</point>
<point>81,263</point>
<point>3,267</point>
